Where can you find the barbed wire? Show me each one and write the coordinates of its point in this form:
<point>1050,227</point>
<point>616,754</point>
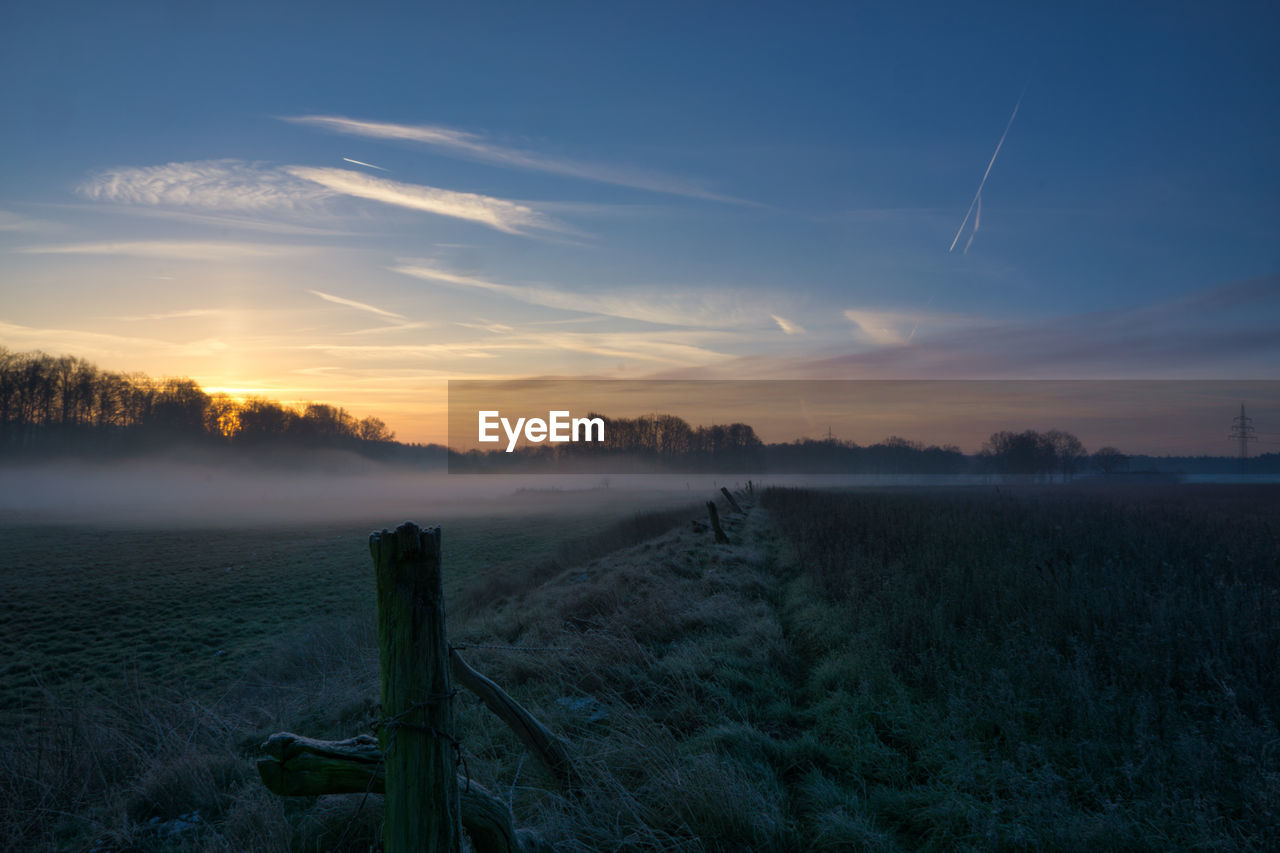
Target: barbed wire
<point>393,724</point>
<point>397,721</point>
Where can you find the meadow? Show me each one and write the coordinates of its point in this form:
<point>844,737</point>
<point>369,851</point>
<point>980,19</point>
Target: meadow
<point>1041,668</point>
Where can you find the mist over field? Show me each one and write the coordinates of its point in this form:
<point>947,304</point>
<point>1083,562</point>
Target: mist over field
<point>332,486</point>
<point>170,490</point>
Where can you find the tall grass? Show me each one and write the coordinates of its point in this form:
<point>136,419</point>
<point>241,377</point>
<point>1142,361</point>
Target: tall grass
<point>1056,670</point>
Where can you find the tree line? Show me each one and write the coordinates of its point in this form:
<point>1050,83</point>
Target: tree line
<point>52,403</point>
<point>662,441</point>
<point>667,442</point>
<point>669,437</point>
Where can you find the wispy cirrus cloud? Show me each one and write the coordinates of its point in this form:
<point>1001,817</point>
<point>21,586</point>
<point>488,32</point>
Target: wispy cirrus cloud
<point>878,327</point>
<point>351,303</point>
<point>497,213</point>
<point>167,249</point>
<point>1225,330</point>
<point>390,327</point>
<point>102,345</point>
<point>240,187</point>
<point>493,328</point>
<point>230,185</point>
<point>787,326</point>
<point>708,309</point>
<point>10,221</point>
<point>888,328</point>
<point>222,221</point>
<point>172,315</point>
<point>682,348</point>
<point>473,146</point>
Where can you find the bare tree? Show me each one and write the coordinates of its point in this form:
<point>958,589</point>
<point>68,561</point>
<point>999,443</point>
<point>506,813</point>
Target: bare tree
<point>1108,460</point>
<point>1069,451</point>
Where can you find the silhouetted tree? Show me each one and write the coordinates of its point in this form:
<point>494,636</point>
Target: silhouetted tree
<point>374,429</point>
<point>1069,451</point>
<point>674,436</point>
<point>1108,460</point>
<point>178,408</point>
<point>1026,453</point>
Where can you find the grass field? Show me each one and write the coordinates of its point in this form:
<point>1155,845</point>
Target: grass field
<point>86,606</point>
<point>885,670</point>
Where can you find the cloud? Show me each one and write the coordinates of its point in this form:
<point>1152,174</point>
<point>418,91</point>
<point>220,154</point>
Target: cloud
<point>673,349</point>
<point>661,307</point>
<point>1222,331</point>
<point>893,328</point>
<point>390,327</point>
<point>167,249</point>
<point>221,221</point>
<point>636,347</point>
<point>172,315</point>
<point>494,328</point>
<point>474,147</point>
<point>495,212</point>
<point>787,326</point>
<point>233,185</point>
<point>10,221</point>
<point>351,303</point>
<point>879,327</point>
<point>100,345</point>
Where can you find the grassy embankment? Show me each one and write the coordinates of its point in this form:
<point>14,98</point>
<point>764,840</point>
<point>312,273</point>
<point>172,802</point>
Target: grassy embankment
<point>1057,669</point>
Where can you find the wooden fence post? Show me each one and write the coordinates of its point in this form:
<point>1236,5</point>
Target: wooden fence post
<point>714,515</point>
<point>729,497</point>
<point>416,735</point>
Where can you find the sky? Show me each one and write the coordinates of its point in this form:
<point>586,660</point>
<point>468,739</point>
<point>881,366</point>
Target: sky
<point>353,204</point>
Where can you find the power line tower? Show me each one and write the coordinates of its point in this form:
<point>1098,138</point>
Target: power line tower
<point>1242,431</point>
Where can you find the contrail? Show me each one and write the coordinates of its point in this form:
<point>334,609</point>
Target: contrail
<point>917,323</point>
<point>977,223</point>
<point>978,195</point>
<point>362,163</point>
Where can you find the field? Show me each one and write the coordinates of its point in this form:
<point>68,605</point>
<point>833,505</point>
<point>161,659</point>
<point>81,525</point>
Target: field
<point>1042,668</point>
<point>88,606</point>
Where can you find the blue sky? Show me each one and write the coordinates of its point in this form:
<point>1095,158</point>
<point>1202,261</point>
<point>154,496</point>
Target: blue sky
<point>596,189</point>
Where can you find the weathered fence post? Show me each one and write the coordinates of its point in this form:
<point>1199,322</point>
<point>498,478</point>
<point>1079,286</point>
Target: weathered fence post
<point>729,497</point>
<point>416,736</point>
<point>714,514</point>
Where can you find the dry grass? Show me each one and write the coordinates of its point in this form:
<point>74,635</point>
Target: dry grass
<point>900,671</point>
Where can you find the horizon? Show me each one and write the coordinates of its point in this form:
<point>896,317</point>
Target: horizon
<point>386,201</point>
<point>70,398</point>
